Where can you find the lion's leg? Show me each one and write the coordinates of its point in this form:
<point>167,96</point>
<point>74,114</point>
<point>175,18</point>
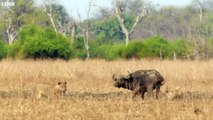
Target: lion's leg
<point>39,95</point>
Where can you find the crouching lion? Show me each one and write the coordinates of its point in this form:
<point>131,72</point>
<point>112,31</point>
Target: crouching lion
<point>50,91</point>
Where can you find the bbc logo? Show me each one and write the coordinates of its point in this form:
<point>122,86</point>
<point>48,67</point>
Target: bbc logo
<point>8,4</point>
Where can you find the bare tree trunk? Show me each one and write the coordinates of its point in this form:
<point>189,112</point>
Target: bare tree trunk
<point>49,14</point>
<point>119,14</point>
<point>200,10</point>
<point>127,38</point>
<point>86,43</point>
<point>73,33</point>
<point>174,56</point>
<point>161,56</point>
<point>174,29</point>
<point>198,41</point>
<point>11,31</point>
<point>51,19</point>
<point>86,31</point>
<point>88,51</point>
<point>9,34</point>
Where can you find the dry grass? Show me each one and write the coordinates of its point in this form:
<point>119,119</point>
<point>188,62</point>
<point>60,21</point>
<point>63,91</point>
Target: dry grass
<point>91,95</point>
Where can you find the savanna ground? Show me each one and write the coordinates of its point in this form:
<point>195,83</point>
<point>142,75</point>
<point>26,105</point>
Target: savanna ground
<point>92,96</point>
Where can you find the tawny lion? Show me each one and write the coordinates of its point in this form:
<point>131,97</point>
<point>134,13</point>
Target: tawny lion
<point>50,91</point>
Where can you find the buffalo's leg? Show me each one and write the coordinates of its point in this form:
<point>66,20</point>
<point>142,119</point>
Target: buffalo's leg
<point>142,93</point>
<point>157,91</point>
<point>136,91</point>
<point>150,90</point>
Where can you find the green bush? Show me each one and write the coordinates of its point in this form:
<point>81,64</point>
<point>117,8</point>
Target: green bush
<point>180,47</point>
<point>106,51</point>
<point>134,49</point>
<point>26,34</point>
<point>155,45</point>
<point>14,50</point>
<point>3,50</point>
<point>34,42</point>
<point>79,48</point>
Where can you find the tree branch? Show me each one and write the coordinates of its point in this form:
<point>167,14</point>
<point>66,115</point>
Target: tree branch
<point>138,19</point>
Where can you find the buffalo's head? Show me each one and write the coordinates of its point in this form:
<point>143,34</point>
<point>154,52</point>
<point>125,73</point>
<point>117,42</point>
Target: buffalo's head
<point>120,80</point>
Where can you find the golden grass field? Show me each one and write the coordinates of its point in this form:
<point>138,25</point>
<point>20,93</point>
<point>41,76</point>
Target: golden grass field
<point>92,96</point>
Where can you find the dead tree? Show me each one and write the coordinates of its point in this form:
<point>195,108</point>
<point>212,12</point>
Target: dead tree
<point>48,10</point>
<point>11,31</point>
<point>119,10</point>
<point>69,27</point>
<point>200,10</point>
<point>73,32</point>
<point>201,50</point>
<point>86,30</point>
<point>12,26</point>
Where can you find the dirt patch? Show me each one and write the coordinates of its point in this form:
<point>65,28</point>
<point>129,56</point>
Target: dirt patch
<point>15,94</point>
<point>110,95</point>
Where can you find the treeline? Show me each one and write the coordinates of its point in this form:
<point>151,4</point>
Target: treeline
<point>39,43</point>
<point>48,31</point>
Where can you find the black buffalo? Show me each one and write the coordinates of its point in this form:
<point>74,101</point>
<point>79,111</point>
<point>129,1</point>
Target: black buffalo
<point>140,81</point>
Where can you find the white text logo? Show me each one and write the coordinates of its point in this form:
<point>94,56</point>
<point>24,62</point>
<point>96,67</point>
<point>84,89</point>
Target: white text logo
<point>7,4</point>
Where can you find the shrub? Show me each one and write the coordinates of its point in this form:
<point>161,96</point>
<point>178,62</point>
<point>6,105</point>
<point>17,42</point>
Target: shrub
<point>3,50</point>
<point>106,51</point>
<point>133,50</point>
<point>34,42</point>
<point>180,47</point>
<point>79,48</point>
<point>155,45</point>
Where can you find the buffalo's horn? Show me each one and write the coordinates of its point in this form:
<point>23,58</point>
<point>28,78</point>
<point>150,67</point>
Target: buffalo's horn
<point>126,77</point>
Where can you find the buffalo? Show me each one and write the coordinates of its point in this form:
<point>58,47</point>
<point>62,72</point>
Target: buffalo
<point>140,81</point>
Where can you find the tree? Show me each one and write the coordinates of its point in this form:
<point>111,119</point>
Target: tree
<point>3,50</point>
<point>120,13</point>
<point>107,30</point>
<point>13,17</point>
<point>48,10</point>
<point>59,18</point>
<point>36,42</point>
<point>85,28</point>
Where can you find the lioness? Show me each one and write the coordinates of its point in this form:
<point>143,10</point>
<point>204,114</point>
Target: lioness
<point>49,91</point>
<point>174,93</point>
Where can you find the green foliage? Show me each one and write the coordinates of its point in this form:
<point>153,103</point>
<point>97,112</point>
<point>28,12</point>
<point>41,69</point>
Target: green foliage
<point>151,48</point>
<point>108,31</point>
<point>180,47</point>
<point>3,50</point>
<point>35,42</point>
<point>106,51</point>
<point>133,50</point>
<point>155,45</point>
<point>103,52</point>
<point>79,48</point>
<point>59,12</point>
<point>129,21</point>
<point>26,34</point>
